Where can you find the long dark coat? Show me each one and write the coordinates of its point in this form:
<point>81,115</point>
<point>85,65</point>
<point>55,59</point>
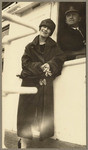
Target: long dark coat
<point>71,41</point>
<point>31,73</point>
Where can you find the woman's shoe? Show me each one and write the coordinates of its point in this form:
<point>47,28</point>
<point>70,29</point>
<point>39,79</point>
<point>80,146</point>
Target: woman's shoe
<point>19,143</point>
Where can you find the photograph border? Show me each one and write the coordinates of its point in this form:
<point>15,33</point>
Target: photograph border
<point>86,66</point>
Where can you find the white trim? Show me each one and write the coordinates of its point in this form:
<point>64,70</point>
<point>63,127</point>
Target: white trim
<point>75,62</point>
<point>20,7</point>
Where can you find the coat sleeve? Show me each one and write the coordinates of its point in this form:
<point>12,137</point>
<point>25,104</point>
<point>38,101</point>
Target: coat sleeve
<point>56,63</point>
<point>30,66</point>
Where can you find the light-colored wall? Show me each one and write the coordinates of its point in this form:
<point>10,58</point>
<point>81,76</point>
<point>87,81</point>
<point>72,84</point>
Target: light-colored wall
<point>69,88</point>
<point>70,103</point>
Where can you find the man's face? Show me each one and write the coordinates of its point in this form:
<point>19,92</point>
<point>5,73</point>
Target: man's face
<point>72,18</point>
<point>45,31</point>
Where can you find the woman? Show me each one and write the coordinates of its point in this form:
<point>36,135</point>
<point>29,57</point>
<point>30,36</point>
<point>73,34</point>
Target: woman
<point>41,63</point>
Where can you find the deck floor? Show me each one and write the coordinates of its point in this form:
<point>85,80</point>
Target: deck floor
<point>11,141</point>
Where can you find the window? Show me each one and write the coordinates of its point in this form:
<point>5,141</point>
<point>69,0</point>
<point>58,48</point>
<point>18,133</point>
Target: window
<point>72,43</point>
<point>5,31</point>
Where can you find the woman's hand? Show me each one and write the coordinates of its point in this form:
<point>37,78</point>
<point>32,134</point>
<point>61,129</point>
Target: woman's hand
<point>46,68</point>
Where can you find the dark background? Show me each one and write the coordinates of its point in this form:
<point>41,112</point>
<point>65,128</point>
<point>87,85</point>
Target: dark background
<point>80,6</point>
<point>6,4</point>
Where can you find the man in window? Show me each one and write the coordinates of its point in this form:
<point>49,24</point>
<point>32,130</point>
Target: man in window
<point>72,37</point>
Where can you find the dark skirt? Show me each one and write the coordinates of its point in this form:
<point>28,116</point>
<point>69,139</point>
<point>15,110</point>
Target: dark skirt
<point>42,103</point>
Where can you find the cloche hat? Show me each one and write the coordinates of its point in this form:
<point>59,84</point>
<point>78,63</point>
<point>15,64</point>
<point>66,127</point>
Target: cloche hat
<point>48,23</point>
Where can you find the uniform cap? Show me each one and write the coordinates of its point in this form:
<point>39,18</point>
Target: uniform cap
<point>71,9</point>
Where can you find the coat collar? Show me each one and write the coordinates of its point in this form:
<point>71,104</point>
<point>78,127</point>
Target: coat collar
<point>50,42</point>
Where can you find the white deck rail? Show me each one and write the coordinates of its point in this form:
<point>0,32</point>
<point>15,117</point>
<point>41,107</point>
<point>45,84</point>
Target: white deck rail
<point>20,21</point>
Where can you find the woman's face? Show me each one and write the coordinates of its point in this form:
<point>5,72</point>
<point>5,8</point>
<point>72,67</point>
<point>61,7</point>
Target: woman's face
<point>45,31</point>
<point>72,18</point>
